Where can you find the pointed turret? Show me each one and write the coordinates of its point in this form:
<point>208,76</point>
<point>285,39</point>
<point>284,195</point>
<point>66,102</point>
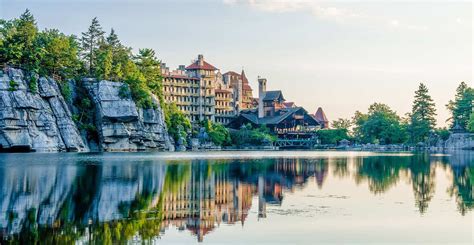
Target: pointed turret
<point>320,116</point>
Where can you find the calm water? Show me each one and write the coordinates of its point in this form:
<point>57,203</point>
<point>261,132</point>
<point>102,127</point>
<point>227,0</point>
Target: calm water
<point>237,197</point>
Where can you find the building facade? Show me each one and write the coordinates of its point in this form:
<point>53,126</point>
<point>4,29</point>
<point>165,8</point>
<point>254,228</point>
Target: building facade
<point>201,92</point>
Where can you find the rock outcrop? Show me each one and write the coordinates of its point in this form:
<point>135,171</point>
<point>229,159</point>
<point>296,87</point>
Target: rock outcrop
<point>121,125</point>
<point>460,141</point>
<point>38,121</point>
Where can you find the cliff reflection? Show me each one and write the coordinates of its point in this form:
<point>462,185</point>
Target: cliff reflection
<point>114,202</point>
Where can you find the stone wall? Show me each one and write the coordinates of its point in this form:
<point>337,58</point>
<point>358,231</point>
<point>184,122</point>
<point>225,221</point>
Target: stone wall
<point>38,121</point>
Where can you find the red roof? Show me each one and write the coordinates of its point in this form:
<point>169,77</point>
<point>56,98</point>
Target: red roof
<point>320,116</point>
<point>246,87</point>
<point>233,73</point>
<point>244,78</point>
<point>204,66</point>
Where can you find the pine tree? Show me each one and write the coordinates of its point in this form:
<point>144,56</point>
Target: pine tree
<point>90,43</point>
<point>461,107</point>
<point>423,115</point>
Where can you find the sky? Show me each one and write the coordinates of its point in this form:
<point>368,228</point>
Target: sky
<point>340,55</point>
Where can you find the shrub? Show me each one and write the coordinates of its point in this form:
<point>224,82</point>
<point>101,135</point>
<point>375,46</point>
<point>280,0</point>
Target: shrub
<point>66,91</point>
<point>33,85</point>
<point>13,86</point>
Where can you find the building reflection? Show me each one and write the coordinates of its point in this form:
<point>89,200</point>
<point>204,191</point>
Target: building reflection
<point>117,202</point>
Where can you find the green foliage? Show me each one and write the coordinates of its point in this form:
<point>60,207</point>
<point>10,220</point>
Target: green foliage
<point>342,123</point>
<point>60,54</point>
<point>380,125</point>
<point>332,136</point>
<point>250,136</point>
<point>443,133</point>
<point>13,86</point>
<point>124,91</point>
<point>66,91</point>
<point>18,45</point>
<point>461,107</point>
<point>177,123</point>
<point>422,117</point>
<point>85,118</point>
<point>218,134</point>
<point>470,125</point>
<point>149,66</point>
<point>90,42</point>
<point>140,92</point>
<point>33,85</point>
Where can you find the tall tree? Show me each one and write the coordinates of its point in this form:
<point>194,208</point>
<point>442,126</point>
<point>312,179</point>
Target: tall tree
<point>90,44</point>
<point>422,117</point>
<point>149,66</point>
<point>19,42</point>
<point>342,123</point>
<point>60,53</point>
<point>461,107</point>
<point>380,125</point>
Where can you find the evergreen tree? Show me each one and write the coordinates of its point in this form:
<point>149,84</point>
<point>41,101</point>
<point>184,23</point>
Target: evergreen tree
<point>91,41</point>
<point>149,66</point>
<point>19,45</point>
<point>422,117</point>
<point>461,107</point>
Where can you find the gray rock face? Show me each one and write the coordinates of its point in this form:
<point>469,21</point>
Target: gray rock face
<point>460,141</point>
<point>121,125</point>
<point>38,122</point>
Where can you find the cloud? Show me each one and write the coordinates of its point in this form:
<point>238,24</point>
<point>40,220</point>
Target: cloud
<point>287,6</point>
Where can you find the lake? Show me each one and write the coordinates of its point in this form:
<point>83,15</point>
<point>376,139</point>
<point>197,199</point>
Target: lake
<point>237,197</point>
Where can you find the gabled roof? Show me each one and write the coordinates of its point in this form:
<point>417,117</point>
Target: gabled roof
<point>273,95</point>
<point>320,116</point>
<point>233,73</point>
<point>289,104</point>
<point>282,114</point>
<point>204,66</point>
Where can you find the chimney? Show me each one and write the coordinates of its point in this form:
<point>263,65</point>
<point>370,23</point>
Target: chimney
<point>262,89</point>
<point>200,60</point>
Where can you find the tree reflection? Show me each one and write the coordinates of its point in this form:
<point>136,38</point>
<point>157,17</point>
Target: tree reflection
<point>381,172</point>
<point>423,181</point>
<point>113,203</point>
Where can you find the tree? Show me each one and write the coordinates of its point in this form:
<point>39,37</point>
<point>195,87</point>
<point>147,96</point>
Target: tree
<point>380,125</point>
<point>342,123</point>
<point>461,107</point>
<point>471,123</point>
<point>149,66</point>
<point>332,136</point>
<point>177,123</point>
<point>422,117</point>
<point>19,42</point>
<point>90,44</point>
<point>104,63</point>
<point>60,53</point>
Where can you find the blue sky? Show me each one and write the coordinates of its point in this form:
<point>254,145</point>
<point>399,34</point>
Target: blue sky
<point>340,55</point>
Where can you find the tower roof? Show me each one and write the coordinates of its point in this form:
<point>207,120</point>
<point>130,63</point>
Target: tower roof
<point>200,64</point>
<point>320,116</point>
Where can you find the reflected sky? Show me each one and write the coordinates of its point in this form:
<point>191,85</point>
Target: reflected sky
<point>237,197</point>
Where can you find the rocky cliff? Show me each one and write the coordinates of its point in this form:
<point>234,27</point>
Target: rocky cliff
<point>36,117</point>
<point>35,121</point>
<point>121,125</point>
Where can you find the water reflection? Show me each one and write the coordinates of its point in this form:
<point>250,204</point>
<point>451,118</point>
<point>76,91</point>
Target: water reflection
<point>107,201</point>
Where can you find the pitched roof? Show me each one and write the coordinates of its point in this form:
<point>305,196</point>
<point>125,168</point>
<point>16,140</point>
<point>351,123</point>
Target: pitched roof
<point>205,66</point>
<point>244,78</point>
<point>273,95</point>
<point>289,104</point>
<point>233,73</point>
<point>282,114</point>
<point>320,116</point>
